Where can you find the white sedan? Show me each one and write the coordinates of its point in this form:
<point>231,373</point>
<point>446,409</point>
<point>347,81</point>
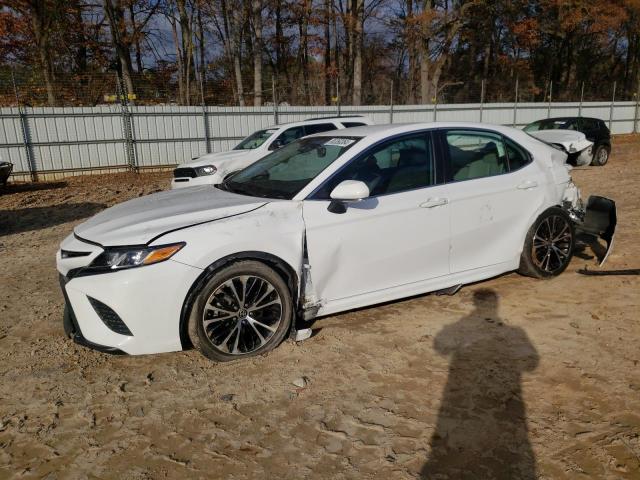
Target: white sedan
<point>331,222</point>
<point>213,168</point>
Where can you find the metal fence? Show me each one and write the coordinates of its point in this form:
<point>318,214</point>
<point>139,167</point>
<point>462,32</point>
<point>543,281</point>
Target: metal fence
<point>55,141</point>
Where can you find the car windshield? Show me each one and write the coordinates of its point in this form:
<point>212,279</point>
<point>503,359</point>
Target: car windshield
<point>255,139</point>
<point>283,173</point>
<point>558,124</point>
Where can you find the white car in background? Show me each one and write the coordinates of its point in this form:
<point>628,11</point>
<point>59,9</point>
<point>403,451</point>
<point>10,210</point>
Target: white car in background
<point>331,222</point>
<point>579,150</point>
<point>213,168</point>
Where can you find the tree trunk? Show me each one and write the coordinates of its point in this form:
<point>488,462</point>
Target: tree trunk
<point>41,19</point>
<point>411,51</point>
<point>257,53</point>
<point>303,53</point>
<point>118,28</point>
<point>202,42</point>
<point>232,25</point>
<point>358,41</point>
<point>423,44</point>
<point>186,40</point>
<point>136,39</point>
<point>327,52</point>
<point>81,53</point>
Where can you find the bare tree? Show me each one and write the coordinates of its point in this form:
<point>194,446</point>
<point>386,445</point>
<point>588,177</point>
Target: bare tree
<point>41,15</point>
<point>357,45</point>
<point>114,11</point>
<point>231,34</point>
<point>257,52</point>
<point>122,37</point>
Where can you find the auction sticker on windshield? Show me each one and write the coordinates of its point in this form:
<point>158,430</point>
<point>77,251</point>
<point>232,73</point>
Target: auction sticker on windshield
<point>340,141</point>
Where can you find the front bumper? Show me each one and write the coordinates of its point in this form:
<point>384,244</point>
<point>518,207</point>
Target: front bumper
<point>148,300</point>
<point>72,329</point>
<point>183,182</point>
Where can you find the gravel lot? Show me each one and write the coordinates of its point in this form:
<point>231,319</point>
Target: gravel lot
<point>510,378</point>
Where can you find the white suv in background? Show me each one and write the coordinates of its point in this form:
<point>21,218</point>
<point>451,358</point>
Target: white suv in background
<point>212,168</point>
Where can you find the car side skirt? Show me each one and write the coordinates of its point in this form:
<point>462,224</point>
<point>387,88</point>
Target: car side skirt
<point>417,288</point>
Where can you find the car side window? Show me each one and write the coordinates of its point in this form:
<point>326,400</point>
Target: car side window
<point>516,155</point>
<point>353,124</point>
<point>289,135</point>
<point>475,154</point>
<point>320,127</point>
<point>392,167</point>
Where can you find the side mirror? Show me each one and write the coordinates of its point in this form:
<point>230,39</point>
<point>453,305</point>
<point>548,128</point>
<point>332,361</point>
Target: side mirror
<point>276,144</point>
<point>347,191</point>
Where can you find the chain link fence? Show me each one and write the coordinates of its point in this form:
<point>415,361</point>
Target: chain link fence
<point>162,87</point>
<point>98,125</point>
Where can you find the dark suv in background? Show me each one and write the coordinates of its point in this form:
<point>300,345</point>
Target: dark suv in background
<point>594,129</point>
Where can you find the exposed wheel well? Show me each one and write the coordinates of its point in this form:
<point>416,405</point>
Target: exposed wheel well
<point>281,267</point>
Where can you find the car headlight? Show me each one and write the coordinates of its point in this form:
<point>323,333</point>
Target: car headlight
<point>118,258</point>
<point>206,170</point>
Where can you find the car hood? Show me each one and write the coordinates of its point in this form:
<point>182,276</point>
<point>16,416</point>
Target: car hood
<point>143,219</point>
<point>217,159</point>
<point>570,140</point>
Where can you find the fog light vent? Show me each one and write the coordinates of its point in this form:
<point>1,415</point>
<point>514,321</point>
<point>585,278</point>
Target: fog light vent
<point>109,317</point>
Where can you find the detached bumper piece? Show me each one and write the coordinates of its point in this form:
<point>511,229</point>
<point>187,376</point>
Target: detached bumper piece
<point>72,329</point>
<point>599,221</point>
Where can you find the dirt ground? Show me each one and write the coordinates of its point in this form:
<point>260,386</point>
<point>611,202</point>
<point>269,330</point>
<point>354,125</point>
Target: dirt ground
<point>510,378</point>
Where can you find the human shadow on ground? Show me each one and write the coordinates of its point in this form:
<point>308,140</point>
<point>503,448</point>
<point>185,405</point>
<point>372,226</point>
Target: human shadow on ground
<point>37,218</point>
<point>481,431</point>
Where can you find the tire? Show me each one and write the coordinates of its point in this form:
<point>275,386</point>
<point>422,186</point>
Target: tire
<point>243,310</point>
<point>554,236</point>
<point>600,156</point>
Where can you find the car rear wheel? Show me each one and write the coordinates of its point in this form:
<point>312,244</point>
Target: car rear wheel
<point>600,156</point>
<point>548,247</point>
<point>243,310</point>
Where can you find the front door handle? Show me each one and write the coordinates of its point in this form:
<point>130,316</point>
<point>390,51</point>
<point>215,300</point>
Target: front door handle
<point>434,202</point>
<point>527,185</point>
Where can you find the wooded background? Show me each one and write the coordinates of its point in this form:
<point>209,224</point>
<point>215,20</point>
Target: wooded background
<point>316,52</point>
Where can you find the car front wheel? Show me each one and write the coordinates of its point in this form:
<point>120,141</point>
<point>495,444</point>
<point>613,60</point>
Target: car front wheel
<point>548,247</point>
<point>243,310</point>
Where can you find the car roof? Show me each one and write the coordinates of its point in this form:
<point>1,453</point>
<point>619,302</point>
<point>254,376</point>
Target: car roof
<point>347,118</point>
<point>555,119</point>
<point>399,128</point>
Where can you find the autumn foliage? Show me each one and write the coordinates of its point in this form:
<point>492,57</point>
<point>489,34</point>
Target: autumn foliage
<point>252,52</point>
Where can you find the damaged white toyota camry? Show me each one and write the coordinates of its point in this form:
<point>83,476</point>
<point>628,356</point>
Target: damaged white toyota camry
<point>331,222</point>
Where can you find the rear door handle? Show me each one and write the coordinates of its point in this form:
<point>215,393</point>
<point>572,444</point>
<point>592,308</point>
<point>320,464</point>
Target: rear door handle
<point>434,202</point>
<point>527,185</point>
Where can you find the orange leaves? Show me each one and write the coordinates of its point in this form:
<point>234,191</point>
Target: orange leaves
<point>527,33</point>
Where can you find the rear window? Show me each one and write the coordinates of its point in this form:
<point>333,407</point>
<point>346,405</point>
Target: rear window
<point>551,124</point>
<point>320,127</point>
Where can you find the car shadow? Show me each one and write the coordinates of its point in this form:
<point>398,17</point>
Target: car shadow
<point>481,430</point>
<point>586,243</point>
<point>37,218</point>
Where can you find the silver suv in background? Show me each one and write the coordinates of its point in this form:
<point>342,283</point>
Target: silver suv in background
<point>212,168</point>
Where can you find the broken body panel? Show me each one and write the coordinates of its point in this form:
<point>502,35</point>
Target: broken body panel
<point>579,150</point>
